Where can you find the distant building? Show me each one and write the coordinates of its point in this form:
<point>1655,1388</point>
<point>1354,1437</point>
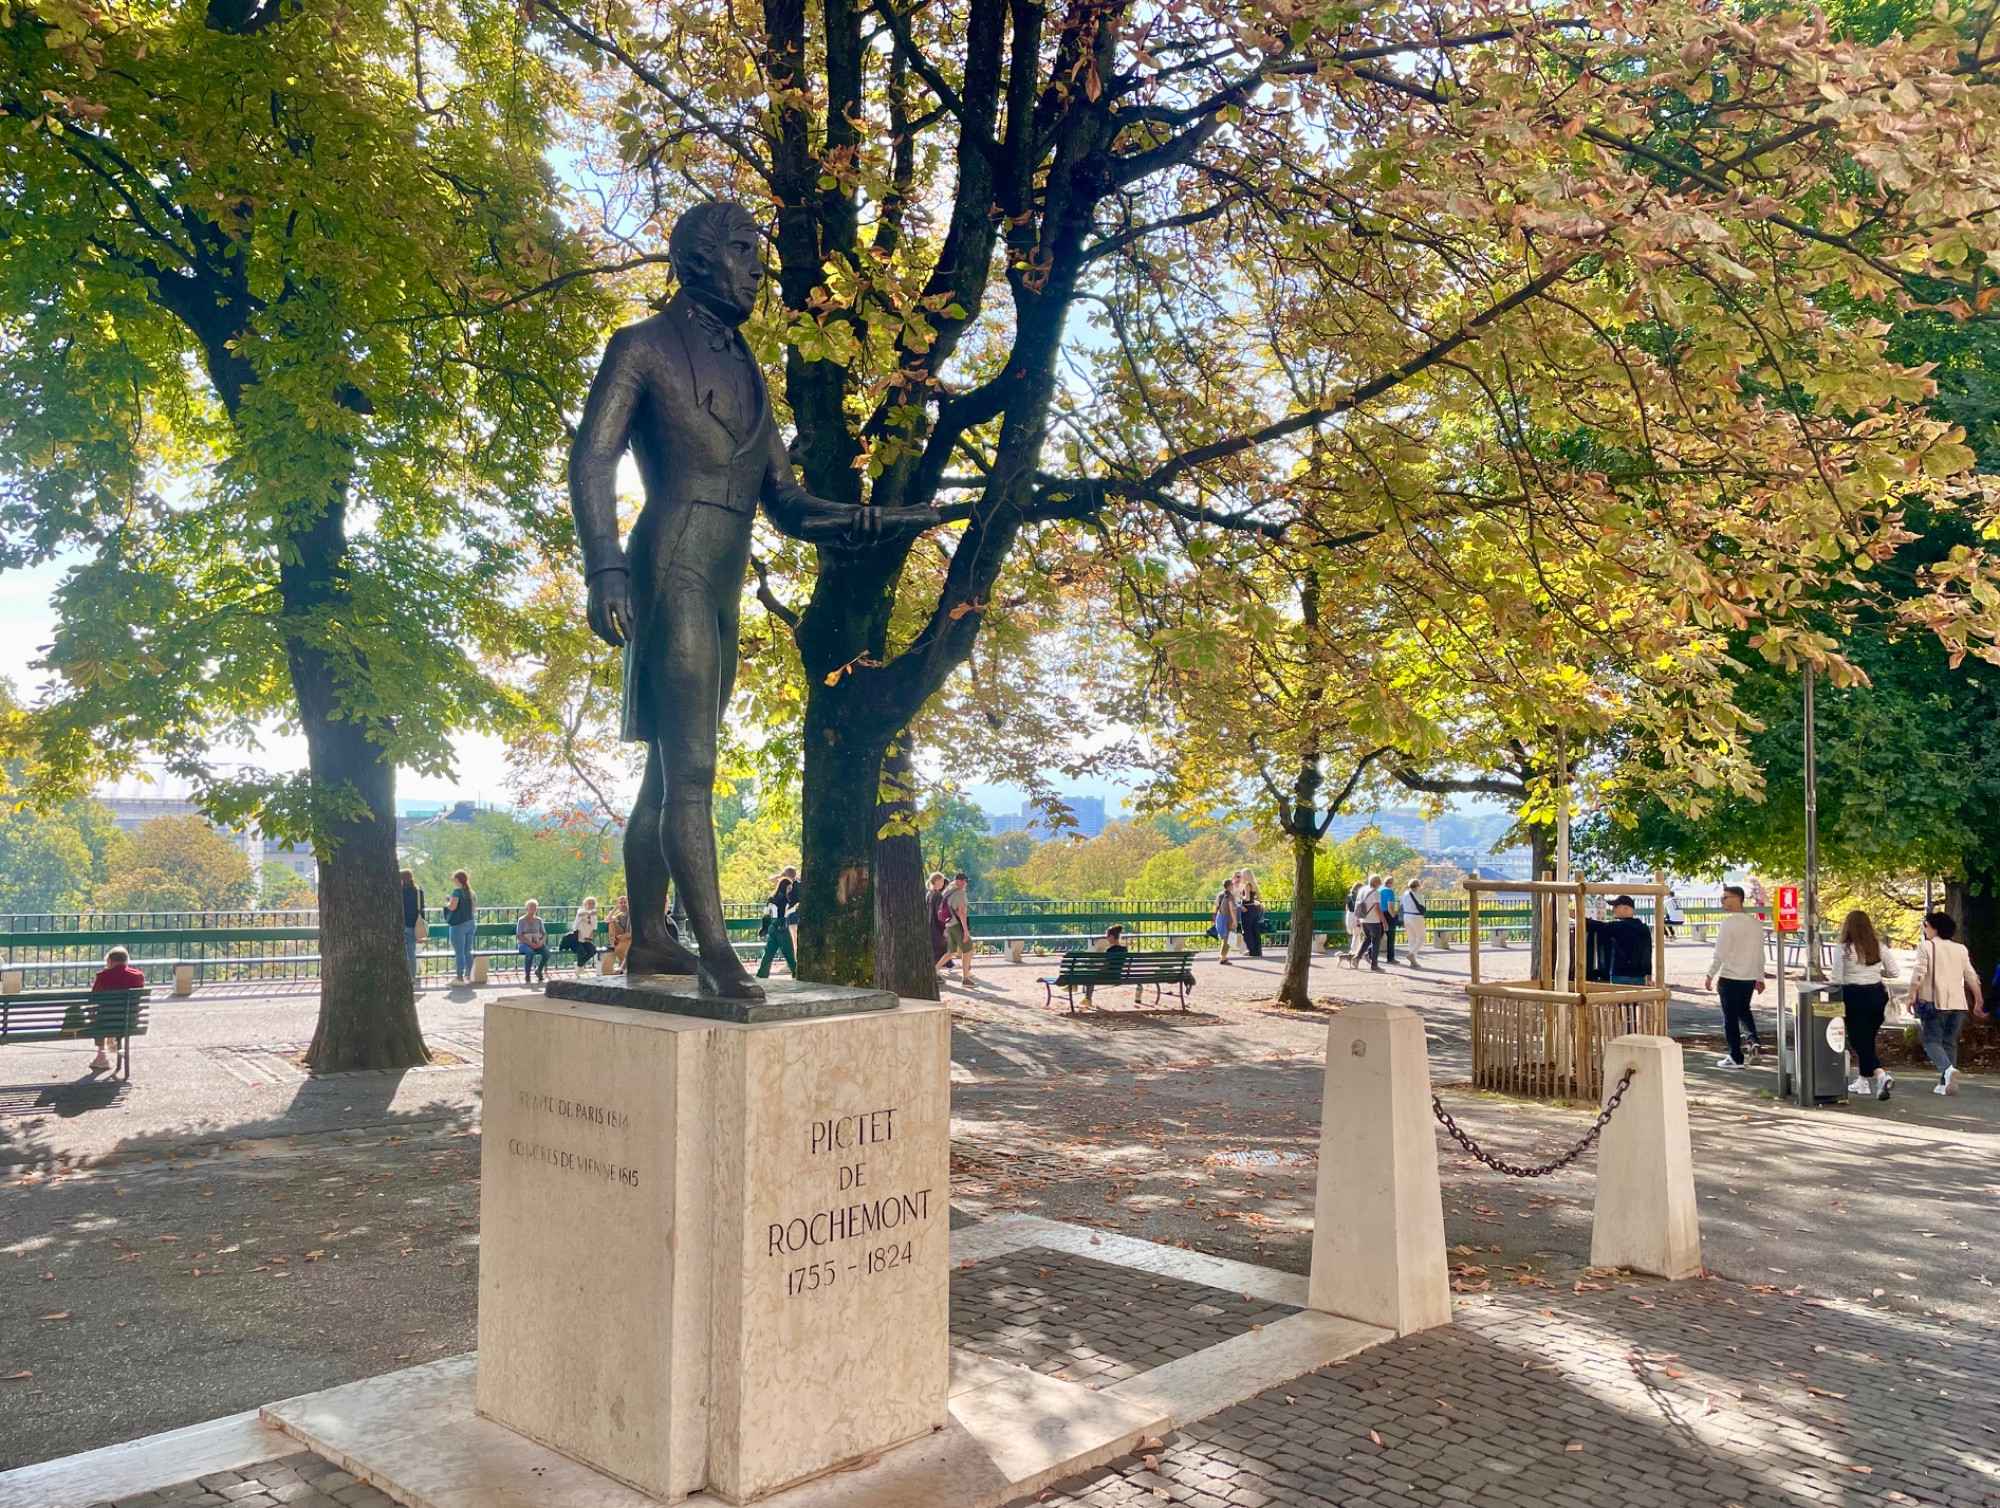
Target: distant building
<point>1086,811</point>
<point>130,813</point>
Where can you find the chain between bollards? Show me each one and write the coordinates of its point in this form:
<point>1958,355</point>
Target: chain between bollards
<point>1590,1136</point>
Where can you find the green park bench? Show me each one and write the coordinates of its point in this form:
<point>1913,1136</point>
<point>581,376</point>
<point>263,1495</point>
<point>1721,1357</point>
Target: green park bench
<point>1135,969</point>
<point>63,1015</point>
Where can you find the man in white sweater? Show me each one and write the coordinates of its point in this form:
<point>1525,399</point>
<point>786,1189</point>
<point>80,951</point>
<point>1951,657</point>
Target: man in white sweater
<point>1737,972</point>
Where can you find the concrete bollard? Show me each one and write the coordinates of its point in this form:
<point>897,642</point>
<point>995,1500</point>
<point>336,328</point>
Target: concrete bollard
<point>606,965</point>
<point>1646,1216</point>
<point>10,981</point>
<point>480,968</point>
<point>183,979</point>
<point>1378,1228</point>
<point>1015,947</point>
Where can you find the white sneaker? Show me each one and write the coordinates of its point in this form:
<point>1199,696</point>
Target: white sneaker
<point>1884,1082</point>
<point>1939,1089</point>
<point>1860,1087</point>
<point>1950,1084</point>
<point>1727,1062</point>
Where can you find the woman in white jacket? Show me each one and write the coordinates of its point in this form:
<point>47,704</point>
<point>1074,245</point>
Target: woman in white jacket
<point>1864,965</point>
<point>1943,988</point>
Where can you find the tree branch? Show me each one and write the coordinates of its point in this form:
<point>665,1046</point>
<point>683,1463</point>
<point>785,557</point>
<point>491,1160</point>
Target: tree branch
<point>1333,807</point>
<point>1312,418</point>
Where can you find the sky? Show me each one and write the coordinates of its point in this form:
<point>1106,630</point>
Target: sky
<point>27,624</point>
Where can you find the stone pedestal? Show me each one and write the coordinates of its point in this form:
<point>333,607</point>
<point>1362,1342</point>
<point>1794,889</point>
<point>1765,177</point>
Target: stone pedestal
<point>1646,1215</point>
<point>1378,1225</point>
<point>714,1254</point>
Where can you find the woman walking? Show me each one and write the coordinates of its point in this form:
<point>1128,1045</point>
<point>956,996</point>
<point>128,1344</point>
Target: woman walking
<point>1864,965</point>
<point>939,912</point>
<point>1943,988</point>
<point>1250,911</point>
<point>1227,918</point>
<point>779,912</point>
<point>458,919</point>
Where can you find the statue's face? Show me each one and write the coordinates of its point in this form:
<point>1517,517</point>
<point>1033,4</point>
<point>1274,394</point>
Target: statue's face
<point>731,270</point>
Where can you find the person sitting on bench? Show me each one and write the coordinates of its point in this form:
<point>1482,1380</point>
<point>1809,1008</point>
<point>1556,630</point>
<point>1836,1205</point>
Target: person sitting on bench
<point>1112,946</point>
<point>117,974</point>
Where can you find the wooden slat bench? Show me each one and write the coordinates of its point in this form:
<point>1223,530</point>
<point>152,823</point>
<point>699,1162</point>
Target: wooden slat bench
<point>1135,969</point>
<point>64,1015</point>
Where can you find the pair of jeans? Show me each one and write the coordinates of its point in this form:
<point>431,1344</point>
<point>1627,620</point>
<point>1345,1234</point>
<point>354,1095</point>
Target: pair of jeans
<point>1940,1035</point>
<point>1631,979</point>
<point>410,950</point>
<point>1737,1017</point>
<point>1865,1005</point>
<point>461,949</point>
<point>778,941</point>
<point>530,956</point>
<point>1371,945</point>
<point>1388,942</point>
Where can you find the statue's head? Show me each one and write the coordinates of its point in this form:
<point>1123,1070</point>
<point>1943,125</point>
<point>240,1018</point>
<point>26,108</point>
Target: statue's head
<point>716,256</point>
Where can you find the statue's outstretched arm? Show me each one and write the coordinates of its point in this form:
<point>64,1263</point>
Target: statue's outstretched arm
<point>798,513</point>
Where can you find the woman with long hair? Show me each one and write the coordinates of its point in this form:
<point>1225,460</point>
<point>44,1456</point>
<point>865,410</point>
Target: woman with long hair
<point>1864,965</point>
<point>459,912</point>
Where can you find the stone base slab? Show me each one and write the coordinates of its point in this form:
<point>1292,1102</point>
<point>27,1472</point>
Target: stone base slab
<point>414,1434</point>
<point>1010,1431</point>
<point>680,995</point>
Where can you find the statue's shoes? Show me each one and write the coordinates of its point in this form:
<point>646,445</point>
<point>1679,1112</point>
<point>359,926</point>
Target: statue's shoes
<point>728,985</point>
<point>665,957</point>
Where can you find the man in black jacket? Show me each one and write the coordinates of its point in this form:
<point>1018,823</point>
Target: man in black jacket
<point>1624,944</point>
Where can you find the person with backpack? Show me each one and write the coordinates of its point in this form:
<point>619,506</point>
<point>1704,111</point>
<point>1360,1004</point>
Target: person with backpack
<point>780,915</point>
<point>1368,910</point>
<point>1944,990</point>
<point>1864,967</point>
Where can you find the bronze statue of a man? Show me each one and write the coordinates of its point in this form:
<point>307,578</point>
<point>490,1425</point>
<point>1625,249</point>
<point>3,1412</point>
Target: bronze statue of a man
<point>682,391</point>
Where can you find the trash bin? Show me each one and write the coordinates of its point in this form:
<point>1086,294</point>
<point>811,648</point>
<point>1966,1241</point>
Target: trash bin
<point>1820,1040</point>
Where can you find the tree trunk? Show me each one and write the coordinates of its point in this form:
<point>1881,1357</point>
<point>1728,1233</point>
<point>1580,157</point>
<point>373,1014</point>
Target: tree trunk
<point>903,961</point>
<point>367,1008</point>
<point>838,821</point>
<point>1295,989</point>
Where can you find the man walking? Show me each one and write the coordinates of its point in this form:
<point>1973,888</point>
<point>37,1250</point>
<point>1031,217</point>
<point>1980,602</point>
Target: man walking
<point>1392,916</point>
<point>1368,907</point>
<point>958,926</point>
<point>1737,972</point>
<point>1414,911</point>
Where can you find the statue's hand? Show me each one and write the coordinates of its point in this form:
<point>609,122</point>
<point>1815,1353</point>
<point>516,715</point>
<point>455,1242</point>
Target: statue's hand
<point>871,524</point>
<point>611,606</point>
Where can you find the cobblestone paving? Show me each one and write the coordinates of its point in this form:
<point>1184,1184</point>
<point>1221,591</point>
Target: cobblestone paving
<point>1677,1395</point>
<point>298,1481</point>
<point>1091,1322</point>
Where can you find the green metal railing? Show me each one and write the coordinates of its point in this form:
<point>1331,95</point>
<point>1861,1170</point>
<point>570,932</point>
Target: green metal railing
<point>231,946</point>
